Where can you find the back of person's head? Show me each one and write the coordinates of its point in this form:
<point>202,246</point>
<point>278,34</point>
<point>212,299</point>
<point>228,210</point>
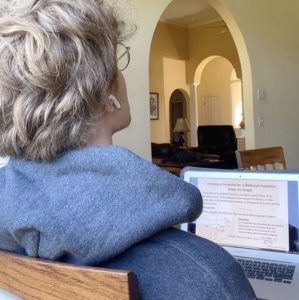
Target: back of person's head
<point>57,65</point>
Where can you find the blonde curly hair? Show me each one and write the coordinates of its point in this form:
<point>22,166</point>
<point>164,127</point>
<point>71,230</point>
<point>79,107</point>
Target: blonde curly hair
<point>57,64</point>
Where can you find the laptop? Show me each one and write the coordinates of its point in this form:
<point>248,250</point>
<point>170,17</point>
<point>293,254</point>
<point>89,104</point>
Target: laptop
<point>254,215</point>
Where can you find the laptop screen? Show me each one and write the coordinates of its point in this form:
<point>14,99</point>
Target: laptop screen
<point>255,210</point>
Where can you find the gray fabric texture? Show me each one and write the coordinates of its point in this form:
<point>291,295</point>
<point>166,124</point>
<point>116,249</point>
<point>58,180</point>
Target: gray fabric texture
<point>176,265</point>
<point>89,205</point>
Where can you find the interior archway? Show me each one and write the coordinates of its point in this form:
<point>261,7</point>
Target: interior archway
<point>219,92</point>
<point>178,108</point>
<point>245,66</point>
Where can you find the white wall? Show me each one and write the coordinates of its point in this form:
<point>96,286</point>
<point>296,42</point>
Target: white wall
<point>270,31</point>
<point>137,136</point>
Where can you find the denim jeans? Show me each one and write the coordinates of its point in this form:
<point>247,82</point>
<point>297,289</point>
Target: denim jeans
<point>177,265</point>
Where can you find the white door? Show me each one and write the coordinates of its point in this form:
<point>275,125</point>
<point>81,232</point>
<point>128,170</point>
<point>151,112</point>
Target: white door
<point>211,110</point>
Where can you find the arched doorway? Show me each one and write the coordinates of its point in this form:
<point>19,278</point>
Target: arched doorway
<point>219,92</point>
<point>177,110</point>
<point>244,62</point>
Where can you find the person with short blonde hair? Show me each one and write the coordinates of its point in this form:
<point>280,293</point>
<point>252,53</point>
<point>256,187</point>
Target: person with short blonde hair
<point>58,66</point>
<point>69,194</point>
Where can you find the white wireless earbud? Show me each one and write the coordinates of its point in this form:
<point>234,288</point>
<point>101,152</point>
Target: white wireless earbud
<point>115,101</point>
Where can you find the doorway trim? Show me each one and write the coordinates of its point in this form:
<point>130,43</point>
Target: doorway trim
<point>246,69</point>
<point>185,112</point>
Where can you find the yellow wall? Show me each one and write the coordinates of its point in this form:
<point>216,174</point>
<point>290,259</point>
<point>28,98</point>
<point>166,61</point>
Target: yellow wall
<point>166,74</point>
<point>205,42</point>
<point>170,41</point>
<point>173,61</point>
<point>175,78</point>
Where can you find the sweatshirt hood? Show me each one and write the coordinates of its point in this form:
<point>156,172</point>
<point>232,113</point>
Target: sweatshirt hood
<point>89,205</point>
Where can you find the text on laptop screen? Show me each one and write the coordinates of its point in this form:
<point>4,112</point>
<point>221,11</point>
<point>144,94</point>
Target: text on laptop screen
<point>250,213</point>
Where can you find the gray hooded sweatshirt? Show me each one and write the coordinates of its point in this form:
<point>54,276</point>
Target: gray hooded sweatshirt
<point>89,205</point>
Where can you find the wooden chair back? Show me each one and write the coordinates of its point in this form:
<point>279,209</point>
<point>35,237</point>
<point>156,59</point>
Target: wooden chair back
<point>261,159</point>
<point>31,278</point>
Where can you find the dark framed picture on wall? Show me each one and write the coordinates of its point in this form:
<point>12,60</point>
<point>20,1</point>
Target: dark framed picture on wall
<point>154,106</point>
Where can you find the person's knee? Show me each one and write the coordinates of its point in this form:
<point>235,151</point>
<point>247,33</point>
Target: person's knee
<point>208,264</point>
<point>176,265</point>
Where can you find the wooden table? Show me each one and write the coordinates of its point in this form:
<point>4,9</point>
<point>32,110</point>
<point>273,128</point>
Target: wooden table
<point>176,167</point>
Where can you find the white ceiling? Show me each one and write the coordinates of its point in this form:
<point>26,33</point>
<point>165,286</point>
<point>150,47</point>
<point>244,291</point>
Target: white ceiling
<point>189,13</point>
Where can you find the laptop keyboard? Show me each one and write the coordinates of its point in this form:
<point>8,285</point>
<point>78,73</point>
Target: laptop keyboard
<point>268,271</point>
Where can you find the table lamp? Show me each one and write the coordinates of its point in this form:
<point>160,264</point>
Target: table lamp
<point>181,126</point>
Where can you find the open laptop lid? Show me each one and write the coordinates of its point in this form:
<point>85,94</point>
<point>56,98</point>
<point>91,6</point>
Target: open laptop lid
<point>250,213</point>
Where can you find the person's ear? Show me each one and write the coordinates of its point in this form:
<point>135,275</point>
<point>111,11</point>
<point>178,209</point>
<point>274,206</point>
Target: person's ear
<point>115,101</point>
<point>109,106</point>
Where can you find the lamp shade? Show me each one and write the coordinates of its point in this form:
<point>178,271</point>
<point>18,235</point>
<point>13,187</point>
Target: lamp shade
<point>181,125</point>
